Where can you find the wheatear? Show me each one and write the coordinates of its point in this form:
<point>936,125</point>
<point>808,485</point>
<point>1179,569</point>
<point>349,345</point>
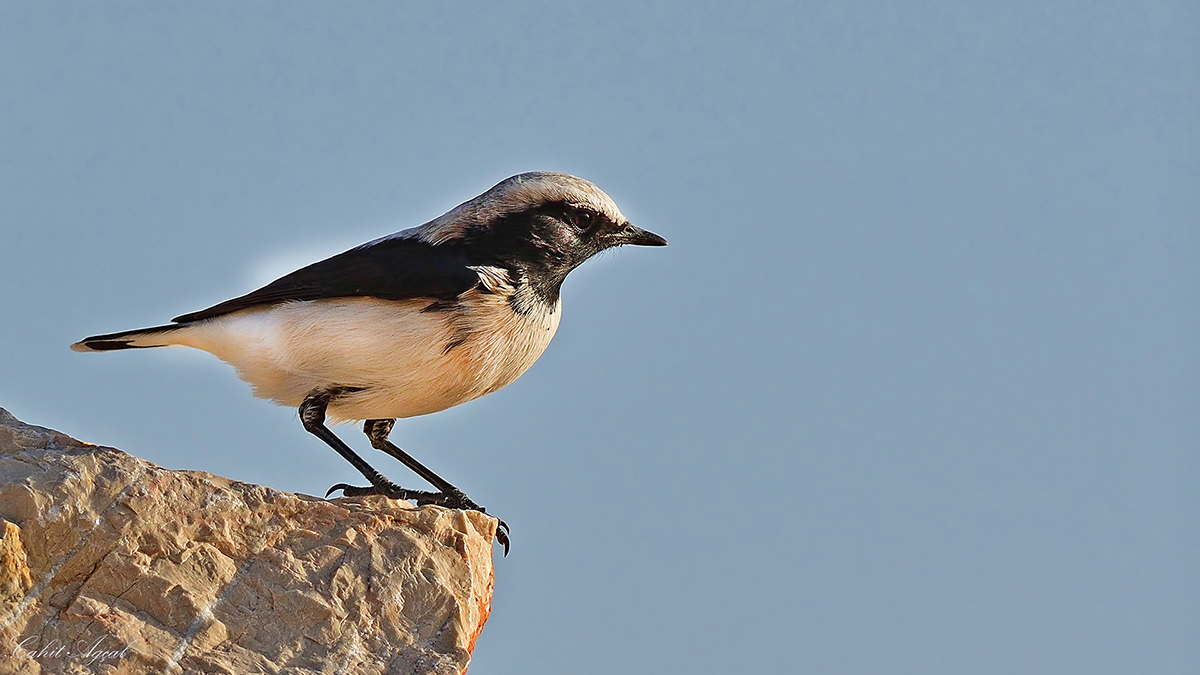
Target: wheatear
<point>412,323</point>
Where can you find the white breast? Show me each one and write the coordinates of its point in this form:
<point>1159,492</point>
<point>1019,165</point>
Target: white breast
<point>406,361</point>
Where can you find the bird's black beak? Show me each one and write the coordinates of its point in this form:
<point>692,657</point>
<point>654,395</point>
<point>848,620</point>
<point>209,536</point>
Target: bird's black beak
<point>636,236</point>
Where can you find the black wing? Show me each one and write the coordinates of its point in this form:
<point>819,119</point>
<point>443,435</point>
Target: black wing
<point>390,269</point>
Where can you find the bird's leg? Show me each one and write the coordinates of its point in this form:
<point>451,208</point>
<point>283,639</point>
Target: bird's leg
<point>377,431</point>
<point>312,415</point>
<point>448,495</point>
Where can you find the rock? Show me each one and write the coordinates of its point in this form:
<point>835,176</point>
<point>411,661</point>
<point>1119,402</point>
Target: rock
<point>110,564</point>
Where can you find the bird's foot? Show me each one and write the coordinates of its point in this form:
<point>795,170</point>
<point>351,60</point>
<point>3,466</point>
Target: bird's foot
<point>386,488</point>
<point>452,499</point>
<point>457,499</point>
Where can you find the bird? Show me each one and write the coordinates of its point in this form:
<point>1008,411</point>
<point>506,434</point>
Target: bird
<point>411,323</point>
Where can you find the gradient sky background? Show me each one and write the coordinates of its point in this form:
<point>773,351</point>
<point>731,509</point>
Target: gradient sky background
<point>915,388</point>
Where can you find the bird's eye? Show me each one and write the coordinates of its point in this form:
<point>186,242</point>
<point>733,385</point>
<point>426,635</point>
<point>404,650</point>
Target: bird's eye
<point>580,219</point>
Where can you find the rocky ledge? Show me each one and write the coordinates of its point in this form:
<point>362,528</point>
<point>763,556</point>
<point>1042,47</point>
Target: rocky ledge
<point>110,564</point>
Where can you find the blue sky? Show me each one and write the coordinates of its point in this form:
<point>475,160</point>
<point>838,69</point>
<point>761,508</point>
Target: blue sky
<point>913,390</point>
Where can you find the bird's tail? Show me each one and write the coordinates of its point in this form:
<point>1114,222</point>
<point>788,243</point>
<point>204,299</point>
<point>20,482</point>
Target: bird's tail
<point>158,336</point>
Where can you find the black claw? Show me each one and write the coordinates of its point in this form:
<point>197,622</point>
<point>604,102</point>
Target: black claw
<point>502,536</point>
<point>340,486</point>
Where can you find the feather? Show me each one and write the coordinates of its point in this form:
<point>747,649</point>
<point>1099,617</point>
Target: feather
<point>387,269</point>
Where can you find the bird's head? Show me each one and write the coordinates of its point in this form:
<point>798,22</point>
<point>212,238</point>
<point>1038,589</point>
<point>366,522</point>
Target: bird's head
<point>546,223</point>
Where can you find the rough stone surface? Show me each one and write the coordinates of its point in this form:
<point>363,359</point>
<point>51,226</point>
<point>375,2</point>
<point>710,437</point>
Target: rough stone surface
<point>109,564</point>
